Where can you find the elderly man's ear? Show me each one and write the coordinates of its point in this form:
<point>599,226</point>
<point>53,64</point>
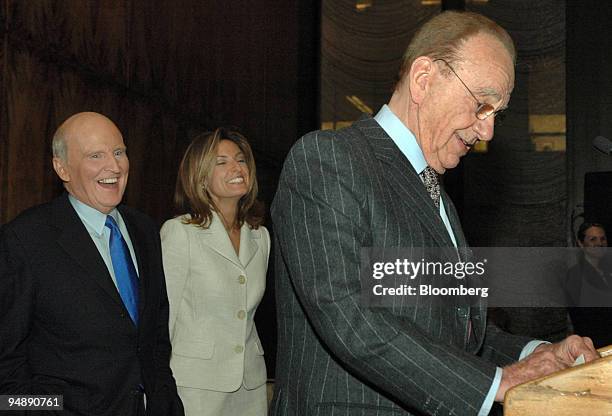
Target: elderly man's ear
<point>60,169</point>
<point>419,77</point>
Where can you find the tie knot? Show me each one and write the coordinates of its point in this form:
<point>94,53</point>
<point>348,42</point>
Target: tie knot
<point>111,223</point>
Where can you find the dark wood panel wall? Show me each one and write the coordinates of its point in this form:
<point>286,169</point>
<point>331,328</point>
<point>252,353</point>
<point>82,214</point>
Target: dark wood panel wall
<point>163,71</point>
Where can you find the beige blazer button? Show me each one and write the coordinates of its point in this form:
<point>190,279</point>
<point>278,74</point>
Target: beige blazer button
<point>239,349</point>
<point>241,314</point>
<point>242,279</point>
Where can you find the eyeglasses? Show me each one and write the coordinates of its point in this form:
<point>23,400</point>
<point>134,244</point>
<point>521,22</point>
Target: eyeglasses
<point>484,110</point>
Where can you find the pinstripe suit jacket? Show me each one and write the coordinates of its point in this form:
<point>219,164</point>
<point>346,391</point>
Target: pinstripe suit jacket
<point>340,191</point>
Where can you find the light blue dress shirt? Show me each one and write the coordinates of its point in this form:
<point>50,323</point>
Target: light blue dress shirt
<point>94,221</point>
<point>405,140</point>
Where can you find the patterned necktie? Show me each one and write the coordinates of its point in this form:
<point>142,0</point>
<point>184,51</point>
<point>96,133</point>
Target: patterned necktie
<point>125,272</point>
<point>430,179</point>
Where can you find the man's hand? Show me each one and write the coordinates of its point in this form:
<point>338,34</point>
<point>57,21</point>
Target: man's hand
<point>571,348</point>
<point>546,359</point>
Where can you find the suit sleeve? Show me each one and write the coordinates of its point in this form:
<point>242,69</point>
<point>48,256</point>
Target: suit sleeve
<point>502,348</point>
<point>175,253</point>
<point>17,294</point>
<point>266,234</point>
<point>165,401</point>
<point>321,216</point>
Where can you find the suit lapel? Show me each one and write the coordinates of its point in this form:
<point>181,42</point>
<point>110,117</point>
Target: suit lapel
<point>248,244</point>
<point>77,243</point>
<point>455,223</point>
<point>404,180</point>
<point>479,310</point>
<point>220,241</point>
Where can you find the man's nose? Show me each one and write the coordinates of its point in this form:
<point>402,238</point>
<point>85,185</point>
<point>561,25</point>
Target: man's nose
<point>113,164</point>
<point>484,128</point>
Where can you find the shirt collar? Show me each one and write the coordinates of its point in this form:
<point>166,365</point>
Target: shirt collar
<point>402,137</point>
<point>91,216</point>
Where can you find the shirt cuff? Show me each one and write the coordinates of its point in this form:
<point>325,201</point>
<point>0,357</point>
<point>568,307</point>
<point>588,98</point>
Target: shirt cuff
<point>530,347</point>
<point>488,401</point>
<point>490,398</point>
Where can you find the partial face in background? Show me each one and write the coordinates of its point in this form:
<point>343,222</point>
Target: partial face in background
<point>230,177</point>
<point>96,167</point>
<point>594,242</point>
<point>447,122</point>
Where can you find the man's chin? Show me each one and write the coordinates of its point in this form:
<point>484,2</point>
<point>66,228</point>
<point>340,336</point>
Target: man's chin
<point>451,162</point>
<point>107,206</point>
<point>448,166</point>
<point>444,162</point>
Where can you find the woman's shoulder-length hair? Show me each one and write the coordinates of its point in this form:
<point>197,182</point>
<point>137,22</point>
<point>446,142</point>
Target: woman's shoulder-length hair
<point>191,195</point>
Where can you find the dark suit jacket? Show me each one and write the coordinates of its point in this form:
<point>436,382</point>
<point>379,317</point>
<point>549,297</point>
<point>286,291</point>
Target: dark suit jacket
<point>340,191</point>
<point>63,327</point>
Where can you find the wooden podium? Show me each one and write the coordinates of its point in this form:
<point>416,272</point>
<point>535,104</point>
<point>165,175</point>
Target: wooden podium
<point>582,390</point>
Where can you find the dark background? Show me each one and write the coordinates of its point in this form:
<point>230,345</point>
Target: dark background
<point>165,71</point>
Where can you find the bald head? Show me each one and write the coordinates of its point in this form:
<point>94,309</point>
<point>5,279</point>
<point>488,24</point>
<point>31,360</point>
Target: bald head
<point>90,158</point>
<point>76,125</point>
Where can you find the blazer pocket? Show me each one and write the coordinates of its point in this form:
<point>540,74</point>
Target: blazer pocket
<point>201,350</point>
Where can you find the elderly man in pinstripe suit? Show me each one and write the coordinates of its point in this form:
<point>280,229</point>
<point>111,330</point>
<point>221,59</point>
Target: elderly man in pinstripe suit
<point>367,186</point>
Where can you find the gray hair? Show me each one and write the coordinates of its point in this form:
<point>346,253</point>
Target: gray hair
<point>58,146</point>
<point>443,35</point>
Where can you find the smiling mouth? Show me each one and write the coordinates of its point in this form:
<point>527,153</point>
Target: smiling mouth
<point>108,181</point>
<point>239,179</point>
<point>466,144</point>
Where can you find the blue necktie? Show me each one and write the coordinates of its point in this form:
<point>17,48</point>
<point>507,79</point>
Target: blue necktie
<point>125,273</point>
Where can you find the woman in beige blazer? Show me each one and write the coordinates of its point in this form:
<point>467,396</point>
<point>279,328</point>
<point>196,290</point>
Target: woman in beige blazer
<point>215,259</point>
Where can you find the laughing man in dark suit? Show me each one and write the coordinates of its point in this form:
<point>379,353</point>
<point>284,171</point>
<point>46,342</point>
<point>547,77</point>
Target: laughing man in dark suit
<point>374,184</point>
<point>83,304</point>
